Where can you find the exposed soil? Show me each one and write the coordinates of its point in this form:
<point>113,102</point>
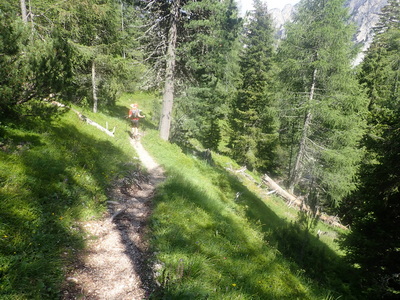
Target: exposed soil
<point>116,263</point>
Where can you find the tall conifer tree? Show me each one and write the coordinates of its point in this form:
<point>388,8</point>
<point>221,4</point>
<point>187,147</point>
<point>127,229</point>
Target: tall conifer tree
<point>322,103</point>
<point>190,44</point>
<point>33,63</point>
<point>57,47</point>
<point>254,119</point>
<point>208,64</point>
<point>374,210</point>
<point>93,26</point>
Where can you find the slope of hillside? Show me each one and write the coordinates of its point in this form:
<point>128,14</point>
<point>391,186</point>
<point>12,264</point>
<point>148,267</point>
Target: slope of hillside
<point>216,238</point>
<point>214,234</point>
<point>54,175</point>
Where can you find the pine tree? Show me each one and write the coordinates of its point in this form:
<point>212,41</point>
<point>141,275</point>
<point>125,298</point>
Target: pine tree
<point>169,87</point>
<point>322,102</point>
<point>188,45</point>
<point>373,210</point>
<point>68,49</point>
<point>208,62</point>
<point>254,120</point>
<point>163,35</point>
<point>33,64</point>
<point>93,27</point>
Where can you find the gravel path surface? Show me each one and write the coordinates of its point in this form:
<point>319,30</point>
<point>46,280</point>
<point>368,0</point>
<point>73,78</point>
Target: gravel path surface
<point>115,264</point>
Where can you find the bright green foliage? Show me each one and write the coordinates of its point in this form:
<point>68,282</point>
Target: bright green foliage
<point>373,211</point>
<point>93,27</point>
<point>380,67</point>
<point>254,118</point>
<point>11,68</point>
<point>30,69</point>
<point>322,104</point>
<point>52,54</point>
<point>208,60</point>
<point>132,27</point>
<point>102,33</point>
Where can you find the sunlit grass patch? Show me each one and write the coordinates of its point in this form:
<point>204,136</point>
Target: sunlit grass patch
<point>208,245</point>
<point>249,246</point>
<point>52,175</point>
<point>214,235</point>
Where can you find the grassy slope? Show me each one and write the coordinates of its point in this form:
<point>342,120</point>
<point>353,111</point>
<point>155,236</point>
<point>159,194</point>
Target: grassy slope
<point>51,175</point>
<point>215,247</point>
<point>212,245</point>
<point>209,244</point>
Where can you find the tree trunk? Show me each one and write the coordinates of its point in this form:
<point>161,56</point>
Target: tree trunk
<point>122,26</point>
<point>31,18</point>
<point>23,11</point>
<point>297,168</point>
<point>94,87</point>
<point>168,97</point>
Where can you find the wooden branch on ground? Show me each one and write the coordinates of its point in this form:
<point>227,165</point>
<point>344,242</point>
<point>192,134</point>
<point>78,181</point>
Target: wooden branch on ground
<point>281,192</point>
<point>90,122</point>
<point>86,119</point>
<point>293,200</point>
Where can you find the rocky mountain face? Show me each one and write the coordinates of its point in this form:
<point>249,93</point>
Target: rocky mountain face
<point>364,13</point>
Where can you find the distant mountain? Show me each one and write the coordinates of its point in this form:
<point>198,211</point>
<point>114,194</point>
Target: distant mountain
<point>280,17</point>
<point>364,13</point>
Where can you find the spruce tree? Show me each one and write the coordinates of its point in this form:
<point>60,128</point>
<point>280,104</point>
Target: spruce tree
<point>254,119</point>
<point>189,45</point>
<point>93,27</point>
<point>373,210</point>
<point>208,64</point>
<point>169,86</point>
<point>33,64</point>
<point>57,44</point>
<point>322,104</point>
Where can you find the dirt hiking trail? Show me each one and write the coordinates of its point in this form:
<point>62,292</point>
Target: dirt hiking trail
<point>115,264</point>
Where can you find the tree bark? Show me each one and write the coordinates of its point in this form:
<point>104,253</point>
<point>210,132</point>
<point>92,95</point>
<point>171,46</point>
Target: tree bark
<point>168,96</point>
<point>23,11</point>
<point>122,26</point>
<point>94,87</point>
<point>297,168</point>
<point>31,18</point>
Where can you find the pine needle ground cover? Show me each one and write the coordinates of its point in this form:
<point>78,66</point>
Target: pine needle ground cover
<point>52,175</point>
<point>211,244</point>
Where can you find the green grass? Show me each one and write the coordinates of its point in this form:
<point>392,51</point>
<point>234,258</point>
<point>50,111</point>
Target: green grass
<point>55,175</point>
<point>52,176</point>
<point>278,206</point>
<point>214,247</point>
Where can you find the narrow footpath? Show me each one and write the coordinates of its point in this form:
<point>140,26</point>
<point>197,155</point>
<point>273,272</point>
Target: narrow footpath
<point>116,264</point>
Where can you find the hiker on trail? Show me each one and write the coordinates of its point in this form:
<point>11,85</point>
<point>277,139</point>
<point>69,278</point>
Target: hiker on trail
<point>134,115</point>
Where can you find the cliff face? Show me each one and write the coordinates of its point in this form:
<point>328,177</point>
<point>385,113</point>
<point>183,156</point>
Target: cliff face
<point>280,17</point>
<point>364,13</point>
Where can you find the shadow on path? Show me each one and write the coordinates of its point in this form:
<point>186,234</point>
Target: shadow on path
<point>117,264</point>
<point>130,212</point>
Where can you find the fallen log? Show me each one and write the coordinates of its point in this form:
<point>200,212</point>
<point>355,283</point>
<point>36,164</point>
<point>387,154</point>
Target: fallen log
<point>293,200</point>
<point>90,122</point>
<point>281,192</point>
<point>86,119</point>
